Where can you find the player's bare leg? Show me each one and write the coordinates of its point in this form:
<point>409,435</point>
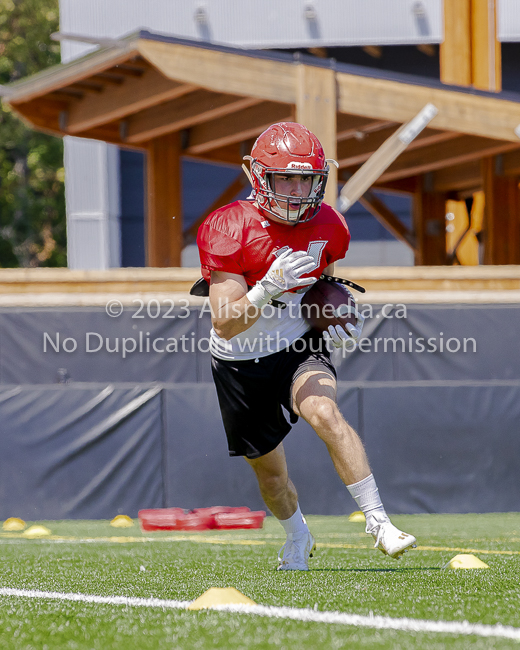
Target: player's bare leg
<point>280,496</point>
<point>276,488</point>
<point>314,399</point>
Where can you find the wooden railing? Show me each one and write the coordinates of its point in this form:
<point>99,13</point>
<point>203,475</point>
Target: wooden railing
<point>383,284</point>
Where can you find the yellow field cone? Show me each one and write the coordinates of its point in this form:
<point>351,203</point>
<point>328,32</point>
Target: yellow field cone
<point>36,531</point>
<point>13,524</point>
<point>216,596</point>
<point>357,517</point>
<point>465,561</point>
<point>121,521</point>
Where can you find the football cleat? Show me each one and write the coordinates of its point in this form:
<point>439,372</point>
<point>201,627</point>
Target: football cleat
<point>295,553</point>
<point>389,539</point>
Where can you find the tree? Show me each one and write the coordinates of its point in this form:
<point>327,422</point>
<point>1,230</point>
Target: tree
<point>32,200</point>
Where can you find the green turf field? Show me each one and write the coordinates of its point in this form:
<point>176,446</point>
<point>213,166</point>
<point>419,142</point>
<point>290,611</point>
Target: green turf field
<point>347,575</point>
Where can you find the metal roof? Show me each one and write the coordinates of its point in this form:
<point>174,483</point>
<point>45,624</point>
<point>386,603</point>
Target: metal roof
<point>267,24</point>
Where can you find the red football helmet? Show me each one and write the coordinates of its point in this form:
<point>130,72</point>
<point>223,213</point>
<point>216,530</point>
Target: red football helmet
<point>287,149</point>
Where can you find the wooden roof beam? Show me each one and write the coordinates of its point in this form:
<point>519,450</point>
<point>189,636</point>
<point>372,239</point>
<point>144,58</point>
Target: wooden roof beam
<point>445,154</point>
<point>354,126</point>
<point>249,123</point>
<point>130,70</point>
<point>46,115</point>
<point>458,178</point>
<point>508,163</point>
<point>106,132</point>
<point>58,77</point>
<point>116,103</point>
<point>387,218</point>
<point>356,152</point>
<point>182,113</point>
<point>67,93</point>
<point>86,87</point>
<point>224,72</point>
<point>108,77</point>
<point>404,186</point>
<point>458,111</point>
<point>231,155</point>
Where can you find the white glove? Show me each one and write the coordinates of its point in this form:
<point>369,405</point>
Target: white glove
<point>285,274</point>
<point>346,338</point>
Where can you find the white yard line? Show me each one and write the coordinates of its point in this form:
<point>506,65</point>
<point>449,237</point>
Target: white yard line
<point>292,613</point>
<point>103,600</point>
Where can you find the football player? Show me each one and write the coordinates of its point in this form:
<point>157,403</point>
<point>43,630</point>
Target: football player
<point>258,257</point>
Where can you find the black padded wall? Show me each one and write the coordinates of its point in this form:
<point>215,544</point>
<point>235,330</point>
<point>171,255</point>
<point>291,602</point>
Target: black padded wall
<point>402,343</point>
<point>96,450</point>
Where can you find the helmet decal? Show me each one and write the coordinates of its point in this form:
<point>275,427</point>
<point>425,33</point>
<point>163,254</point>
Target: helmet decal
<point>298,165</point>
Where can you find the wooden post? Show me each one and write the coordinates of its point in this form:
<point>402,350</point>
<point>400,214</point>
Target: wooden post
<point>486,59</point>
<point>316,101</point>
<point>470,53</point>
<point>501,215</point>
<point>430,226</point>
<point>455,50</point>
<point>164,239</point>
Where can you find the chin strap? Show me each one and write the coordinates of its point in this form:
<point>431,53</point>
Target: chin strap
<point>348,283</point>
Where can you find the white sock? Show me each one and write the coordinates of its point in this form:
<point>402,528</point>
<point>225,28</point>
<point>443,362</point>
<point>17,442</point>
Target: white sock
<point>366,495</point>
<point>295,524</point>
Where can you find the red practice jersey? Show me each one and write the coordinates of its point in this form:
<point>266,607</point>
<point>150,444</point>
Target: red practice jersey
<point>239,239</point>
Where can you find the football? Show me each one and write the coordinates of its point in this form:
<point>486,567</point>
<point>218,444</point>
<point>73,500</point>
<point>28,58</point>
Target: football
<point>328,303</point>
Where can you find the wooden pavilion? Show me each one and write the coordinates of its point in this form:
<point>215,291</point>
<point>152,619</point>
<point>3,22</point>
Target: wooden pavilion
<point>171,98</point>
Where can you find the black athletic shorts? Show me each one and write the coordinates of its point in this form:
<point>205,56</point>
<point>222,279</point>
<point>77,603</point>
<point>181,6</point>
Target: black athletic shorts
<point>251,393</point>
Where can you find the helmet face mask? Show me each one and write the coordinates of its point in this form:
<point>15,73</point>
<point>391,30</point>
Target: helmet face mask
<point>288,149</point>
<point>289,207</point>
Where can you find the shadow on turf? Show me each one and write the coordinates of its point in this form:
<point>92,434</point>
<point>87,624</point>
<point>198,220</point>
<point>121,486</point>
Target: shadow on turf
<point>396,570</point>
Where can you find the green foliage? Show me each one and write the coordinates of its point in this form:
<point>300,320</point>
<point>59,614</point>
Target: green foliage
<point>32,200</point>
